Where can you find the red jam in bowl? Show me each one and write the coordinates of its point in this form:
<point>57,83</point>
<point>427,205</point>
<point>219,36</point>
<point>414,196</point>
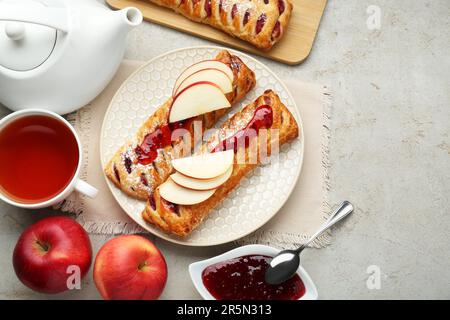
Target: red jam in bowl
<point>242,278</point>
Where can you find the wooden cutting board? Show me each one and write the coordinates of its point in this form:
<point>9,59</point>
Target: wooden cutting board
<point>293,48</point>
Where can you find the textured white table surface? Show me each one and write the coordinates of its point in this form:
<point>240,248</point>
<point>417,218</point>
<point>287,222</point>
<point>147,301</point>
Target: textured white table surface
<point>390,155</point>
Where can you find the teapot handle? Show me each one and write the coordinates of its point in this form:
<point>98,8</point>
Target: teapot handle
<point>51,17</point>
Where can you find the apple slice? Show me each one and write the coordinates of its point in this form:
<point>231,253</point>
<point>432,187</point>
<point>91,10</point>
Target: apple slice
<point>201,184</point>
<point>205,166</point>
<point>198,98</point>
<point>174,193</point>
<point>206,64</point>
<point>211,75</point>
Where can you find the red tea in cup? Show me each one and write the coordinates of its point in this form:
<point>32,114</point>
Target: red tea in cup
<point>38,158</point>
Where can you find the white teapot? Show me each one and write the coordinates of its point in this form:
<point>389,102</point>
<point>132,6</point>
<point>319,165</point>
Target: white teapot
<point>59,54</point>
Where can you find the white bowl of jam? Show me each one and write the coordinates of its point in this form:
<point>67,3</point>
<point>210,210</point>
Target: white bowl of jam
<point>239,275</point>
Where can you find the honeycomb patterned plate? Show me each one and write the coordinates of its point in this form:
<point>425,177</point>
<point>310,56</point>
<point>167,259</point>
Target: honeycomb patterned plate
<point>259,196</point>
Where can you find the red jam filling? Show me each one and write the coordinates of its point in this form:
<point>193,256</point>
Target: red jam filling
<point>173,207</point>
<point>262,119</point>
<point>276,32</point>
<point>243,279</point>
<point>116,172</point>
<point>151,200</point>
<point>127,162</point>
<point>147,151</point>
<point>208,8</point>
<point>234,11</point>
<point>144,179</point>
<point>235,65</point>
<point>281,6</point>
<point>246,17</point>
<point>260,23</point>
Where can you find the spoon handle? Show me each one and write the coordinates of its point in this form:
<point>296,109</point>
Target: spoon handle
<point>340,213</point>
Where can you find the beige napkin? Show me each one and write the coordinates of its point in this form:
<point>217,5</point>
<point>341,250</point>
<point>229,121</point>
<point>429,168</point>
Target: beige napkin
<point>302,214</point>
<point>307,207</point>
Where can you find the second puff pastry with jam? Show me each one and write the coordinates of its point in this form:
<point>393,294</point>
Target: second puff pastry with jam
<point>259,22</point>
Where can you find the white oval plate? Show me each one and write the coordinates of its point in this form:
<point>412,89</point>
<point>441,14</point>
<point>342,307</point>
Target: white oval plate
<point>259,196</point>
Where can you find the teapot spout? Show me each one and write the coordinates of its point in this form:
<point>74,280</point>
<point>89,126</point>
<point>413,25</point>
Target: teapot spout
<point>130,17</point>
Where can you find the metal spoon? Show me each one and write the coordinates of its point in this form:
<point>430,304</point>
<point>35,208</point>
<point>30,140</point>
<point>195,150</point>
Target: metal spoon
<point>285,264</point>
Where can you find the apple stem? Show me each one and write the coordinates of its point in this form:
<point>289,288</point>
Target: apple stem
<point>44,246</point>
<point>142,265</point>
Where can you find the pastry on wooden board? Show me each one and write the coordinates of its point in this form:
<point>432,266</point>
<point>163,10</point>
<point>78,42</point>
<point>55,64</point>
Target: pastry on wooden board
<point>259,22</point>
<point>181,220</point>
<point>138,174</point>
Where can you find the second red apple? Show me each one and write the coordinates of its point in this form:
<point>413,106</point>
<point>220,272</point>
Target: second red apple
<point>130,268</point>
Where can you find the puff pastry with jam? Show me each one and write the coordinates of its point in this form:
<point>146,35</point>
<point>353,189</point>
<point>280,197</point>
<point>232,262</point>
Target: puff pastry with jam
<point>260,22</point>
<point>136,170</point>
<point>267,112</point>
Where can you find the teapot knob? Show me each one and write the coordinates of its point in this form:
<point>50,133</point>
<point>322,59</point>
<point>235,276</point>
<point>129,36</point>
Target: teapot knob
<point>15,30</point>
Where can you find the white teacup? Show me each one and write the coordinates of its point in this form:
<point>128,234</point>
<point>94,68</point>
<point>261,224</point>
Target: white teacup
<point>75,182</point>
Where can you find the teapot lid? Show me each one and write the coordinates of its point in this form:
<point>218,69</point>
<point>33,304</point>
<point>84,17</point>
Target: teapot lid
<point>25,46</point>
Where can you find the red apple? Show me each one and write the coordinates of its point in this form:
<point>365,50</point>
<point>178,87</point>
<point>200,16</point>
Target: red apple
<point>130,268</point>
<point>47,251</point>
